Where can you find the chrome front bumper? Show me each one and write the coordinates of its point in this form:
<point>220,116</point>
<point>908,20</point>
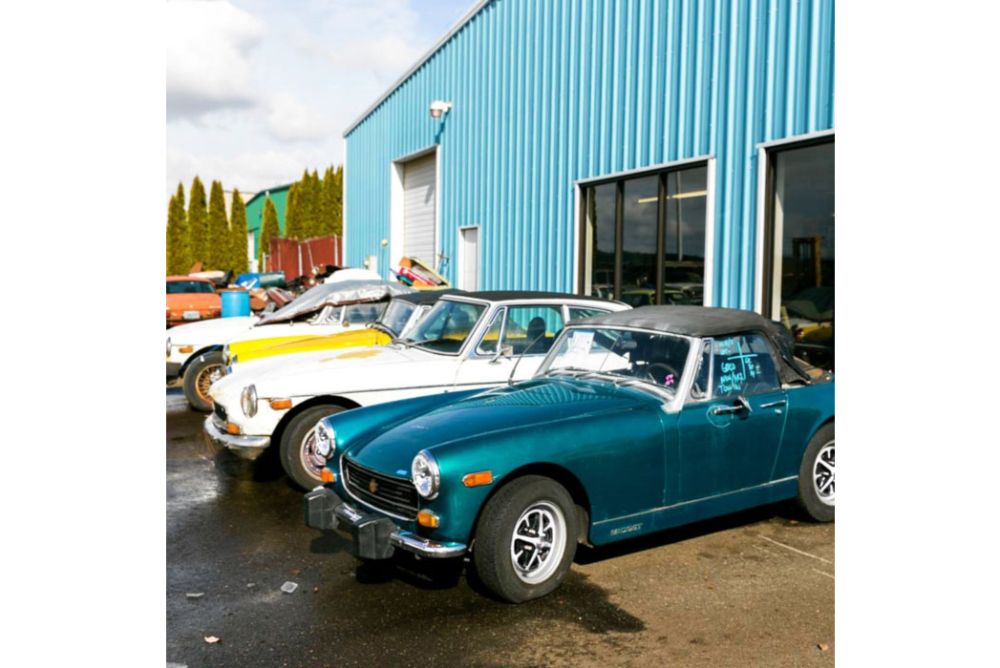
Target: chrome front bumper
<point>374,536</point>
<point>245,447</point>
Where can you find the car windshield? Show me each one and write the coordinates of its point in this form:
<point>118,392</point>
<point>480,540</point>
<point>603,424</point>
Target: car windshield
<point>188,287</point>
<point>396,316</point>
<point>362,314</point>
<point>621,355</point>
<point>446,327</point>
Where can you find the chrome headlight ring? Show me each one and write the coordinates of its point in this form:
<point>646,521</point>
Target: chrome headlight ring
<point>426,475</point>
<point>326,444</point>
<point>248,400</point>
<point>168,346</point>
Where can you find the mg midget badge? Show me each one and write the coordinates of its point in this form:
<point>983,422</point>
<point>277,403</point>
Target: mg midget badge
<point>373,487</point>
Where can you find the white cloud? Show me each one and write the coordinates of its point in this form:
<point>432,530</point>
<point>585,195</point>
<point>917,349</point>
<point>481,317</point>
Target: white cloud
<point>208,48</point>
<point>291,120</point>
<point>259,90</point>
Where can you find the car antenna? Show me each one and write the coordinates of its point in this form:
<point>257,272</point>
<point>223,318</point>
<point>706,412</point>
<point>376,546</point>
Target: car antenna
<point>510,378</point>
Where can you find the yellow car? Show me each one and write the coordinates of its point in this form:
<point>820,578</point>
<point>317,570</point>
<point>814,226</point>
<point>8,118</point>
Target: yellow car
<point>402,313</point>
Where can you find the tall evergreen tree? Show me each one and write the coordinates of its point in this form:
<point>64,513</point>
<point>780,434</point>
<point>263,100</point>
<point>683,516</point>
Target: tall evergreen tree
<point>178,235</point>
<point>306,203</point>
<point>217,253</point>
<point>293,214</point>
<point>332,198</point>
<point>238,234</point>
<point>268,230</point>
<point>197,217</point>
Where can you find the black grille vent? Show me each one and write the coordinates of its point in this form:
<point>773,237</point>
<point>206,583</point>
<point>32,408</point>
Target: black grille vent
<point>220,412</point>
<point>393,495</point>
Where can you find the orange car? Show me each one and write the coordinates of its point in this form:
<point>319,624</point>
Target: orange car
<point>190,299</point>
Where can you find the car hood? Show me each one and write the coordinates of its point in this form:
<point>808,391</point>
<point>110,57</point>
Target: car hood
<point>210,332</point>
<point>356,338</point>
<point>524,407</point>
<point>344,371</point>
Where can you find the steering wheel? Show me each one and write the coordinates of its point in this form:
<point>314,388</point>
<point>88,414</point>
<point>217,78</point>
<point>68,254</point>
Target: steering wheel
<point>661,372</point>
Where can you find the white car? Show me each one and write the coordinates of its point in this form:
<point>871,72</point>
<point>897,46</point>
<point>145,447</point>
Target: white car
<point>466,341</point>
<point>196,352</point>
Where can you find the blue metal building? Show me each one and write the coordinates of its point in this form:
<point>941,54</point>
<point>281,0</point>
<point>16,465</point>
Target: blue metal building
<point>651,150</point>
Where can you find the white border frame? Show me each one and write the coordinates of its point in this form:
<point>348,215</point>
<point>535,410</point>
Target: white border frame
<point>709,162</point>
<point>460,264</point>
<point>763,153</point>
<point>396,203</point>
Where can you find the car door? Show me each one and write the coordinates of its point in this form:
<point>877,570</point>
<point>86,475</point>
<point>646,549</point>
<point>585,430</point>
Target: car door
<point>729,431</point>
<point>518,336</point>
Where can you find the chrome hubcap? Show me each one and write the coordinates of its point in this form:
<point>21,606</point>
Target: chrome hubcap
<point>209,375</point>
<point>823,474</point>
<point>539,539</point>
<point>312,461</point>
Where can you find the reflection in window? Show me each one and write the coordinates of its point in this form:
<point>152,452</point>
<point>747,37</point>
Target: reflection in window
<point>684,261</point>
<point>803,260</point>
<point>639,233</point>
<point>600,233</point>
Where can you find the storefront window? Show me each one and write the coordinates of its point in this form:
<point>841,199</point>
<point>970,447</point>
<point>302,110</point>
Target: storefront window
<point>651,229</point>
<point>802,266</point>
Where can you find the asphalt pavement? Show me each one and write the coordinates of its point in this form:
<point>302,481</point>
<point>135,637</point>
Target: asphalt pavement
<point>755,588</point>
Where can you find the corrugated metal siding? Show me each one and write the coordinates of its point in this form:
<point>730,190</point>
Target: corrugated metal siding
<point>549,92</point>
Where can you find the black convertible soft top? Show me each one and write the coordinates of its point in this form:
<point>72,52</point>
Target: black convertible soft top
<point>705,321</point>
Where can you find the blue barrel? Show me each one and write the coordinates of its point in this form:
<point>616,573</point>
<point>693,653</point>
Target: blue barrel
<point>235,303</point>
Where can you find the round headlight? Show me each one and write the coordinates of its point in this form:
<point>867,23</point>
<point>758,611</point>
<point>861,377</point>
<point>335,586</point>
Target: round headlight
<point>248,400</point>
<point>426,475</point>
<point>168,346</point>
<point>325,443</point>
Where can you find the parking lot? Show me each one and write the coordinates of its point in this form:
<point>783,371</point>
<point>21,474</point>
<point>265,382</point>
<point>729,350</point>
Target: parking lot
<point>750,589</point>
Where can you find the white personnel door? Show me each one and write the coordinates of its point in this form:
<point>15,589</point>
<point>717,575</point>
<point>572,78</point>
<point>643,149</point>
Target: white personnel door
<point>470,258</point>
<point>420,209</point>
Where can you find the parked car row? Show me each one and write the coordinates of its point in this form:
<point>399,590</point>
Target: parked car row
<point>506,427</point>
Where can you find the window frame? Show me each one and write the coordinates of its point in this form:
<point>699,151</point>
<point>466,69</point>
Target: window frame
<point>767,241</point>
<point>618,178</point>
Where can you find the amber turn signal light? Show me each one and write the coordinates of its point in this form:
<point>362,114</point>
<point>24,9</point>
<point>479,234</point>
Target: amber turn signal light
<point>326,475</point>
<point>426,518</point>
<point>477,479</point>
<point>280,404</point>
<point>186,349</point>
<point>232,428</point>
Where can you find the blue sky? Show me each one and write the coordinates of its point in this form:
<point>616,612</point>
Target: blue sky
<point>258,90</point>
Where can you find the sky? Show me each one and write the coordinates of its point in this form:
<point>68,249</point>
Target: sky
<point>259,90</point>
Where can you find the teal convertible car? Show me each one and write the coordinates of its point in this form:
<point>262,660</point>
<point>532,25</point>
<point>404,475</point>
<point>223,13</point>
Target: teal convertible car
<point>636,421</point>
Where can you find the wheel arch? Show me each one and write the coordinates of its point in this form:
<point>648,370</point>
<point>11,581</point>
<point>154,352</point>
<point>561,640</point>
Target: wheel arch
<point>325,400</point>
<point>195,355</point>
<point>559,474</point>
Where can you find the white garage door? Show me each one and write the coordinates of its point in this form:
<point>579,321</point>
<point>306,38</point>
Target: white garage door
<point>419,214</point>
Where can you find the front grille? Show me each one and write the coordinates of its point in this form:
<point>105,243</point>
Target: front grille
<point>393,495</point>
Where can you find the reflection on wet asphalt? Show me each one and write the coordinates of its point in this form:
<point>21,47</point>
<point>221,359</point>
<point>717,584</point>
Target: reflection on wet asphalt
<point>716,594</point>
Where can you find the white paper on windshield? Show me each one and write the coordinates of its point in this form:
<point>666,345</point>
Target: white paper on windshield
<point>580,344</point>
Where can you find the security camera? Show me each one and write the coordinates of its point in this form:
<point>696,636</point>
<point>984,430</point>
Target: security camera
<point>439,108</point>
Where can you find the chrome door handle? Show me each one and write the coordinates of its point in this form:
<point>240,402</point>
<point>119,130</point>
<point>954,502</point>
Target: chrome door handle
<point>741,405</point>
<point>774,404</point>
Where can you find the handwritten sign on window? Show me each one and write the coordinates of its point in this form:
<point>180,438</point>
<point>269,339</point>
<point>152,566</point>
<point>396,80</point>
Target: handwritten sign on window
<point>735,367</point>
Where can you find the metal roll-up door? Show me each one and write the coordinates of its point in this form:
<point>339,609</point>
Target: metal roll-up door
<point>419,208</point>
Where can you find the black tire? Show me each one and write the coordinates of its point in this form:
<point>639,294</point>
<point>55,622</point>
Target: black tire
<point>810,500</point>
<point>491,555</point>
<point>197,379</point>
<point>293,442</point>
